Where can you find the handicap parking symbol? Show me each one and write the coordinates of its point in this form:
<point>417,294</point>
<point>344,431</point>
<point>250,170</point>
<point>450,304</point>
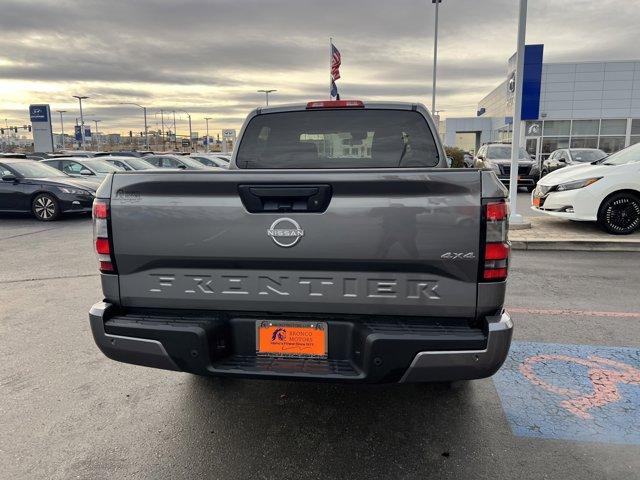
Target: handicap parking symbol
<point>572,392</point>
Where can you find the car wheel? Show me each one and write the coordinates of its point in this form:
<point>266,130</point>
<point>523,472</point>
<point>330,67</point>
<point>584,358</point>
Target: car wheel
<point>620,214</point>
<point>45,207</point>
<point>530,188</point>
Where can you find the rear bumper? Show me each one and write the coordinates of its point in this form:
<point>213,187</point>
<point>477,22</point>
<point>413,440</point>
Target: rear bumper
<point>360,351</point>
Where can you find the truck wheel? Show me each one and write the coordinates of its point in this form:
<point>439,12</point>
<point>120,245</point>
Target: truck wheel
<point>45,207</point>
<point>620,214</point>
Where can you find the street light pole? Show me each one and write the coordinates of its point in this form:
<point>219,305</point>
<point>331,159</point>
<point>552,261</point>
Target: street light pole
<point>207,119</point>
<point>515,218</point>
<point>190,133</point>
<point>62,126</point>
<point>146,128</point>
<point>266,94</point>
<point>435,58</point>
<point>80,98</point>
<point>96,134</point>
<point>175,133</point>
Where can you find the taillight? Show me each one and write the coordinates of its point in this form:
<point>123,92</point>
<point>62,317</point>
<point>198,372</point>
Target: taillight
<point>496,250</point>
<point>101,235</point>
<point>335,104</point>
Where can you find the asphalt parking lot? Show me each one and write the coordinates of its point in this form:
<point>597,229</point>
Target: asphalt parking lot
<point>565,405</point>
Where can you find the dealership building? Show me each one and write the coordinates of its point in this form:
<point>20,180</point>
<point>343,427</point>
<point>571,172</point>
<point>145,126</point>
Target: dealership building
<point>582,104</point>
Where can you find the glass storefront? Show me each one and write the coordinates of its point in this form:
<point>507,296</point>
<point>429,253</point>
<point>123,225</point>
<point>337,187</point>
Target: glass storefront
<point>609,135</point>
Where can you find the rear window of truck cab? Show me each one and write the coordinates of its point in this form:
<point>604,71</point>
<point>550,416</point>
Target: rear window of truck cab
<point>359,138</point>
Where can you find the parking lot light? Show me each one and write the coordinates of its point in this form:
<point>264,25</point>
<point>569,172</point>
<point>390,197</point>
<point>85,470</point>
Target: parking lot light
<point>146,129</point>
<point>80,98</point>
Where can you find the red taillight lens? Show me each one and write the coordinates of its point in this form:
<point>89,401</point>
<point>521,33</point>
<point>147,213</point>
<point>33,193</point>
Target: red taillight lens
<point>497,211</point>
<point>495,274</point>
<point>496,251</point>
<point>102,246</point>
<point>100,209</point>
<point>106,267</point>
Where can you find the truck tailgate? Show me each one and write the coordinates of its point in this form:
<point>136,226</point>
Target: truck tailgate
<point>395,241</point>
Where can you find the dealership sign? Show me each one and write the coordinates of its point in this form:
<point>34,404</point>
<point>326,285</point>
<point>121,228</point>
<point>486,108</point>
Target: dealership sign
<point>531,82</point>
<point>40,116</point>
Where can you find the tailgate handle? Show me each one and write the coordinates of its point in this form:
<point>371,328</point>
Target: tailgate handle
<point>285,198</point>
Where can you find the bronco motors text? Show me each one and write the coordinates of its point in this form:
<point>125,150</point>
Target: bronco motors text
<point>337,247</point>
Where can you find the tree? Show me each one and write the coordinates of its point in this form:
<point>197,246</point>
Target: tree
<point>457,154</point>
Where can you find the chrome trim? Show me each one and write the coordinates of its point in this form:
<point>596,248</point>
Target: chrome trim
<point>434,366</point>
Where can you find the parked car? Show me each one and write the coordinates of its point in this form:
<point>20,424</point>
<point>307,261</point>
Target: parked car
<point>300,263</point>
<point>125,153</point>
<point>468,160</point>
<point>570,156</point>
<point>497,157</point>
<point>129,163</point>
<point>13,155</point>
<point>212,159</point>
<point>606,191</point>
<point>88,168</point>
<point>29,186</point>
<point>174,161</point>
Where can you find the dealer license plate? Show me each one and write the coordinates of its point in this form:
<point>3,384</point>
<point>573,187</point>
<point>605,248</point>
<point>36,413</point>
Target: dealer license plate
<point>290,338</point>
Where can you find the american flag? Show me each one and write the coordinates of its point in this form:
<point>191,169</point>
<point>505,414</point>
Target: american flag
<point>335,62</point>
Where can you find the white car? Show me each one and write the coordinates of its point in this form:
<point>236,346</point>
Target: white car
<point>606,191</point>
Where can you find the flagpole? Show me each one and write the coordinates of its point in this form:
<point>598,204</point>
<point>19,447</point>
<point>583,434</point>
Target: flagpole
<point>330,58</point>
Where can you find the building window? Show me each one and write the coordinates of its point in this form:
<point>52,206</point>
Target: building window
<point>635,131</point>
<point>611,144</point>
<point>584,142</point>
<point>556,127</point>
<point>585,127</point>
<point>613,127</point>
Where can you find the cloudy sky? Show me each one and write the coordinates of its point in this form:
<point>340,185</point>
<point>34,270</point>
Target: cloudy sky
<point>209,57</point>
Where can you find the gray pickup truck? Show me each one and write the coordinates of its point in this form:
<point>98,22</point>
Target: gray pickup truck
<point>337,247</point>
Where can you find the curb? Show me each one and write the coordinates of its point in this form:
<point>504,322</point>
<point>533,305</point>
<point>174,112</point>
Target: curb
<point>576,245</point>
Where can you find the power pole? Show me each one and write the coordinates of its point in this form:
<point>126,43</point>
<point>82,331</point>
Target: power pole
<point>62,126</point>
<point>208,140</point>
<point>435,59</point>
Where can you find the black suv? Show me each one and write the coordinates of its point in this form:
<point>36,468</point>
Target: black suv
<point>497,157</point>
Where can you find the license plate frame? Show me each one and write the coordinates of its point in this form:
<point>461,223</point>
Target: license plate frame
<point>297,339</point>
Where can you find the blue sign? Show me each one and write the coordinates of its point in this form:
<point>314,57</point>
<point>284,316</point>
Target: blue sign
<point>531,81</point>
<point>78,133</point>
<point>572,392</point>
<point>38,113</point>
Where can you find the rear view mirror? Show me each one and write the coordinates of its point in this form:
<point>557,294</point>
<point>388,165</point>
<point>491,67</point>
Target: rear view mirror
<point>9,178</point>
<point>182,167</point>
<point>86,171</point>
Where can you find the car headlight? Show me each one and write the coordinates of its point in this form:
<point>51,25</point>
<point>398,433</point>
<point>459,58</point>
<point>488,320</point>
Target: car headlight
<point>563,187</point>
<point>74,191</point>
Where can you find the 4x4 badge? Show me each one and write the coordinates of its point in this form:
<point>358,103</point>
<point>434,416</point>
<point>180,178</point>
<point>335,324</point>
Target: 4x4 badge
<point>285,232</point>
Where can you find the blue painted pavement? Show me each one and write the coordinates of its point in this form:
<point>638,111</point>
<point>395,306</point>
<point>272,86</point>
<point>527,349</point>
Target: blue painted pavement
<point>572,392</point>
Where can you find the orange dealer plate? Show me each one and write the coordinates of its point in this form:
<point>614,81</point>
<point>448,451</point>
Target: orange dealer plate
<point>536,202</point>
<point>306,339</point>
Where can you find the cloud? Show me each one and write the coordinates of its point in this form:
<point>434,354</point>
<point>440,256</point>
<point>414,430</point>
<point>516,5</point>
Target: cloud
<point>210,56</point>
